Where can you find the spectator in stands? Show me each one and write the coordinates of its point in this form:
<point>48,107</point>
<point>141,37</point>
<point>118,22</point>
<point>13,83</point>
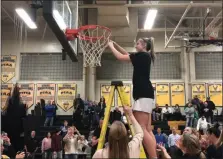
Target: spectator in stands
<point>196,116</point>
<point>166,112</point>
<point>82,146</point>
<point>116,115</point>
<point>172,141</point>
<point>211,106</point>
<point>95,137</point>
<point>189,111</point>
<point>207,112</point>
<point>56,145</point>
<point>77,118</point>
<point>64,128</point>
<point>46,147</point>
<point>160,138</point>
<point>71,143</point>
<point>55,110</point>
<point>102,106</point>
<point>156,113</point>
<point>215,138</point>
<point>19,155</point>
<point>50,109</point>
<point>31,144</point>
<point>177,113</point>
<point>8,148</point>
<point>78,103</point>
<point>38,109</point>
<point>190,130</point>
<point>202,124</point>
<point>118,144</point>
<point>42,104</point>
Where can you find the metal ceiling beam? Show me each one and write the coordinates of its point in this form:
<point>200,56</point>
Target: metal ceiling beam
<point>182,18</point>
<point>159,5</point>
<point>167,29</point>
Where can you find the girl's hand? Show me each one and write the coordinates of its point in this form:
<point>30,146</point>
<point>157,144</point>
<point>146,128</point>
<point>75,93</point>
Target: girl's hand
<point>127,110</point>
<point>161,147</point>
<point>111,43</point>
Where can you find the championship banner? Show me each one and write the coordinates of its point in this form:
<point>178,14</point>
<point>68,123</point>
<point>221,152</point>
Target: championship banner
<point>66,94</point>
<point>27,94</point>
<point>127,91</point>
<point>8,64</point>
<point>46,92</point>
<point>199,90</point>
<point>162,94</point>
<point>6,90</point>
<point>215,93</point>
<point>177,94</point>
<point>105,92</point>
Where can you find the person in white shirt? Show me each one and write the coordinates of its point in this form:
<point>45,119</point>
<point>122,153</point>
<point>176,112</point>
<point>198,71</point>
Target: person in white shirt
<point>172,139</point>
<point>202,124</point>
<point>166,112</point>
<point>82,147</point>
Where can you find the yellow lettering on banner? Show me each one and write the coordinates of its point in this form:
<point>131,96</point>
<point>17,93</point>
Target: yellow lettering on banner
<point>66,94</point>
<point>27,94</point>
<point>162,94</point>
<point>199,90</point>
<point>177,94</point>
<point>6,90</point>
<point>8,64</point>
<point>215,93</point>
<point>105,92</point>
<point>46,92</point>
<point>127,91</point>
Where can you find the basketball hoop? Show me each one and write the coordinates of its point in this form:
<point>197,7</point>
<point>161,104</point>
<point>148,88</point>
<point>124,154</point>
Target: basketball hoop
<point>93,40</point>
<point>214,33</point>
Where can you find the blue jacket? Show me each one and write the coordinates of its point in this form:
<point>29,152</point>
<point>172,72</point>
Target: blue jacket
<point>160,139</point>
<point>50,109</point>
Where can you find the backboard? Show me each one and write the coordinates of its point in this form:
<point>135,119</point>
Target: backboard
<point>59,16</point>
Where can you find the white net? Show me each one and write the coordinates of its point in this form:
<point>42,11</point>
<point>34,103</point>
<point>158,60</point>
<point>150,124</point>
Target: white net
<point>93,42</point>
<point>214,32</point>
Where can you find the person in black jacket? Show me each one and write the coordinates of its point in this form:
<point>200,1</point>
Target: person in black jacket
<point>211,106</point>
<point>102,106</point>
<point>206,111</point>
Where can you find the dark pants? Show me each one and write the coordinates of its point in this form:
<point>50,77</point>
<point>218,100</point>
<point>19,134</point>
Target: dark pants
<point>70,156</point>
<point>172,151</point>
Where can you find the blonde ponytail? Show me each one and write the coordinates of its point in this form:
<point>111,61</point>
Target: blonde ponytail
<point>152,50</point>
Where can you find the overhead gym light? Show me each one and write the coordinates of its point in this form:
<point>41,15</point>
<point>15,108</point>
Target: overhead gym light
<point>150,18</point>
<point>26,18</point>
<point>59,20</point>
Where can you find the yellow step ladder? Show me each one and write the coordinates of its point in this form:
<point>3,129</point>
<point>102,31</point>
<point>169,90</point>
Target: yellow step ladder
<point>118,86</point>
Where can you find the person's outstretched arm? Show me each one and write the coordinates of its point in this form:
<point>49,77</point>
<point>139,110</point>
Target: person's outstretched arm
<point>118,54</point>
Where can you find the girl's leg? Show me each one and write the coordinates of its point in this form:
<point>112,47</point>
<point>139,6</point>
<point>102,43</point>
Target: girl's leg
<point>148,141</point>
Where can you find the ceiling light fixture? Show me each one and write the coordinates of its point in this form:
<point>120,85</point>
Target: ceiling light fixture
<point>59,19</point>
<point>150,18</point>
<point>26,18</point>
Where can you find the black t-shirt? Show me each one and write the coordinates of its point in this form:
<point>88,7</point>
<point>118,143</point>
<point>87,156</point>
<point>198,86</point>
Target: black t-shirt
<point>31,144</point>
<point>157,110</point>
<point>215,153</point>
<point>142,86</point>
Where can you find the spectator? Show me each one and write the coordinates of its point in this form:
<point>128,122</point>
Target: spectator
<point>20,155</point>
<point>156,113</point>
<point>82,147</point>
<point>31,144</point>
<point>172,141</point>
<point>119,145</point>
<point>77,118</point>
<point>50,109</point>
<point>202,124</point>
<point>166,112</point>
<point>46,147</point>
<point>211,106</point>
<point>196,116</point>
<point>215,148</point>
<point>190,130</point>
<point>8,148</point>
<point>160,139</point>
<point>78,103</point>
<point>95,137</point>
<point>57,145</point>
<point>116,115</point>
<point>177,113</point>
<point>71,143</point>
<point>55,110</point>
<point>189,111</point>
<point>42,105</point>
<point>207,112</point>
<point>102,106</point>
<point>38,109</point>
<point>64,128</point>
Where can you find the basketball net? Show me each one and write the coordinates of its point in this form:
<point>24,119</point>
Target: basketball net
<point>93,42</point>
